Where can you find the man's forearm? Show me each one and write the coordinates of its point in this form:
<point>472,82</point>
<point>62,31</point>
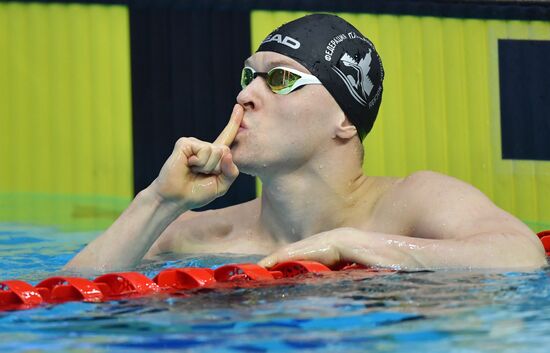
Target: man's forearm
<point>486,250</point>
<point>125,243</point>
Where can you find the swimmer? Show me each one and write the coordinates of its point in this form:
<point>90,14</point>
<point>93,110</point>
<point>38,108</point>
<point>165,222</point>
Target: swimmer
<point>309,95</point>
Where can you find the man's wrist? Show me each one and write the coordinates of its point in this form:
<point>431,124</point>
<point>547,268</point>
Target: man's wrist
<point>151,197</point>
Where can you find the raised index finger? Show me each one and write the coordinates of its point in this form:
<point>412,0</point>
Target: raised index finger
<point>230,131</point>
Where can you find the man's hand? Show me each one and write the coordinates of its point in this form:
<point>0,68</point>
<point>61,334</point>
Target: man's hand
<point>321,247</point>
<point>345,245</point>
<point>198,172</point>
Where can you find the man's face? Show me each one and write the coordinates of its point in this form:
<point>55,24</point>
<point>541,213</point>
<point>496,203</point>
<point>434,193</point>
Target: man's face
<point>281,132</point>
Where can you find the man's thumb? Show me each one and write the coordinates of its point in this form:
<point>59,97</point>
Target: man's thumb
<point>229,172</point>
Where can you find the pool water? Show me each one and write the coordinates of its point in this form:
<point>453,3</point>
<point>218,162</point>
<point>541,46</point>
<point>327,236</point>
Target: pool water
<point>442,311</point>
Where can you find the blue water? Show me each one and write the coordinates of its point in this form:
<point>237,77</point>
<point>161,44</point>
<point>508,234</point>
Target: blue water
<point>443,311</point>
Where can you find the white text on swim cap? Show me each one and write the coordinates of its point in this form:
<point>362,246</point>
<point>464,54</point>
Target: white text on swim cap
<point>288,41</point>
<point>332,45</point>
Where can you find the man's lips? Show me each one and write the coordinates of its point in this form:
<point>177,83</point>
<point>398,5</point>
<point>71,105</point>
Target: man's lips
<point>242,126</point>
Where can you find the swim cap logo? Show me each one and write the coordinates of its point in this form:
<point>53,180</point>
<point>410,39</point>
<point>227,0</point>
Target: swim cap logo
<point>356,76</point>
<point>288,41</point>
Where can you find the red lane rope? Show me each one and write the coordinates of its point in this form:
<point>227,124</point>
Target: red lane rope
<point>544,237</point>
<point>17,295</point>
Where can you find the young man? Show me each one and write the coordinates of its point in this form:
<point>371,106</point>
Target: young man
<point>312,88</point>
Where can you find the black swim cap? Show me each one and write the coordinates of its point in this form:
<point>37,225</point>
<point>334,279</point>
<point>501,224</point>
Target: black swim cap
<point>344,60</point>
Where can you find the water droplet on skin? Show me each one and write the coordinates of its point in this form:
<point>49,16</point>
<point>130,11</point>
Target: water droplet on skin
<point>334,136</point>
<point>321,166</point>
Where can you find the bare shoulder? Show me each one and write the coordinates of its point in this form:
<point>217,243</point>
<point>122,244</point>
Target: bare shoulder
<point>428,180</point>
<point>192,229</point>
<point>428,204</point>
<point>428,188</point>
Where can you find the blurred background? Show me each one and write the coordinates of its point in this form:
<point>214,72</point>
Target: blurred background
<point>94,94</point>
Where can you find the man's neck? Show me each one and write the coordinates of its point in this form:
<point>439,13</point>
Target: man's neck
<point>311,200</point>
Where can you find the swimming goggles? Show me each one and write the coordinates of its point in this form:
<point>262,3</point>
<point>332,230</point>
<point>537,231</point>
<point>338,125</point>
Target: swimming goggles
<point>281,80</point>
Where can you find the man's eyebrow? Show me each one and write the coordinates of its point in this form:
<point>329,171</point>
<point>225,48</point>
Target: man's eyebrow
<point>272,64</point>
<point>276,63</point>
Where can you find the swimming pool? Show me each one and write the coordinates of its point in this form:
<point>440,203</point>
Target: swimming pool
<point>451,311</point>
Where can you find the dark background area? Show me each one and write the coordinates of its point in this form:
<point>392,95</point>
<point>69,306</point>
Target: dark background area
<point>524,70</point>
<point>185,78</point>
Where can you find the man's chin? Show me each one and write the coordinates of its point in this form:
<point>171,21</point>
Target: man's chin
<point>245,167</point>
<point>248,163</point>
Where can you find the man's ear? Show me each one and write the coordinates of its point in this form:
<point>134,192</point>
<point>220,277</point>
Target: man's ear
<point>344,129</point>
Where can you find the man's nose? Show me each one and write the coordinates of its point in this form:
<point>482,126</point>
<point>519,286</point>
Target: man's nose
<point>250,97</point>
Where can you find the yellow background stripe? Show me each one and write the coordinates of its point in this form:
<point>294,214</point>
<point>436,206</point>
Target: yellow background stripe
<point>65,113</point>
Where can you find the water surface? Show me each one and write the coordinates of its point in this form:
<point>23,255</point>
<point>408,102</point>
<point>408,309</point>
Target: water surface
<point>443,311</point>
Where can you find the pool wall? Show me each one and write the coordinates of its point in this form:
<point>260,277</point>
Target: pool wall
<point>94,94</point>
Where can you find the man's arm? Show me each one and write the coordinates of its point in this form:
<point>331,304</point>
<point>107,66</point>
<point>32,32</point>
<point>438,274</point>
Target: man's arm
<point>128,239</point>
<point>452,225</point>
<point>494,250</point>
<point>196,173</point>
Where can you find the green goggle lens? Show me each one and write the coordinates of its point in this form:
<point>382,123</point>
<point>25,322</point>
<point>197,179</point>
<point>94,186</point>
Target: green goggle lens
<point>280,80</point>
<point>247,76</point>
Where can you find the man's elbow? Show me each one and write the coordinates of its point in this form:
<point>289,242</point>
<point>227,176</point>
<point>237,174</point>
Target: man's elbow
<point>515,250</point>
<point>532,254</point>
